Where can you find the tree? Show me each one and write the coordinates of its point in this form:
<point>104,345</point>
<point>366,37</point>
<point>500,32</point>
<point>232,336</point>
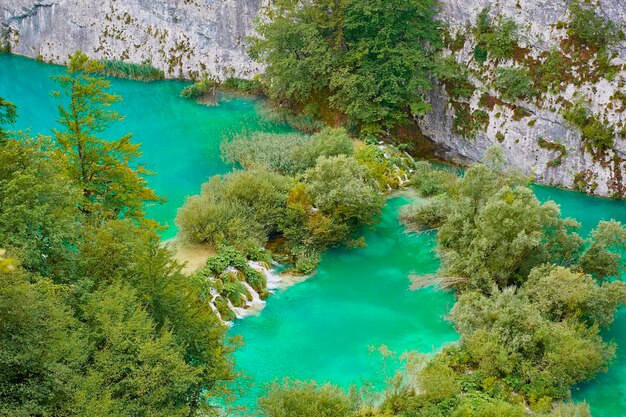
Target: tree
<point>8,115</point>
<point>369,60</point>
<point>385,73</point>
<point>341,188</point>
<point>106,170</point>
<point>135,369</point>
<point>41,346</point>
<point>39,221</point>
<point>122,252</point>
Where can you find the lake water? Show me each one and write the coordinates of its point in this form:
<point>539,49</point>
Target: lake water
<point>326,327</point>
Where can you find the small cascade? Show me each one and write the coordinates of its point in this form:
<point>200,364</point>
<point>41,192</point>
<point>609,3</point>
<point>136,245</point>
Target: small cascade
<point>273,280</point>
<point>239,311</point>
<point>256,304</point>
<point>214,295</point>
<point>403,179</point>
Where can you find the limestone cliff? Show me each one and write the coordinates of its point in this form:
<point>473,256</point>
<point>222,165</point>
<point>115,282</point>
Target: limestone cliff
<point>567,128</point>
<point>532,129</point>
<point>185,38</point>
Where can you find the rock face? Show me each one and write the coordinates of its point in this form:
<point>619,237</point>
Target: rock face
<point>532,131</point>
<point>189,38</point>
<point>185,38</point>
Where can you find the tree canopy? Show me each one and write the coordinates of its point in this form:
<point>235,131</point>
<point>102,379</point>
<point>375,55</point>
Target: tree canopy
<point>369,60</point>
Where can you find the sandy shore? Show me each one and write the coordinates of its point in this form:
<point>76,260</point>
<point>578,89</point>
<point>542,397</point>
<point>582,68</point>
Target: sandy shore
<point>193,256</point>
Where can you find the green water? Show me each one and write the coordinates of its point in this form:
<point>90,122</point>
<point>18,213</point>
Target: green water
<point>180,138</point>
<point>323,328</point>
<point>607,394</point>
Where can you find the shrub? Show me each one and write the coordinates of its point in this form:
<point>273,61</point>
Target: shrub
<point>498,40</point>
<point>241,207</point>
<point>199,89</point>
<point>514,83</point>
<point>597,136</point>
<point>272,151</point>
<point>420,216</point>
<point>305,399</point>
<point>590,29</point>
<point>242,85</point>
<point>286,153</point>
<point>455,77</point>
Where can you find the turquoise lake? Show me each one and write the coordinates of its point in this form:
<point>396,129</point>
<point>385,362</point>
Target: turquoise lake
<point>323,328</point>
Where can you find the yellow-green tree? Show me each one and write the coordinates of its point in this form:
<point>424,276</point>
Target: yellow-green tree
<point>106,169</point>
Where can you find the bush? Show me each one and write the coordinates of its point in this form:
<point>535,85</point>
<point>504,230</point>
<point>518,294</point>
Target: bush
<point>597,136</point>
<point>305,399</point>
<point>498,40</point>
<point>285,153</point>
<point>199,89</point>
<point>430,181</point>
<point>144,71</point>
<point>242,85</point>
<point>514,83</point>
<point>272,151</point>
<point>455,77</point>
<point>590,29</point>
<point>239,208</point>
<point>421,216</point>
<point>341,188</point>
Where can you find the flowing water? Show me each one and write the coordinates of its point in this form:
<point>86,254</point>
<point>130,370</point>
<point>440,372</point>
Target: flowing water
<point>326,327</point>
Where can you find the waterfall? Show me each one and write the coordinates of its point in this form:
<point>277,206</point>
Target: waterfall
<point>274,281</point>
<point>214,295</point>
<point>256,304</point>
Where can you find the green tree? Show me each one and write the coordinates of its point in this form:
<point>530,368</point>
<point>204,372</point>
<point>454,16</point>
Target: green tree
<point>122,252</point>
<point>39,221</point>
<point>106,170</point>
<point>135,370</point>
<point>41,346</point>
<point>8,115</point>
<point>342,189</point>
<point>369,60</point>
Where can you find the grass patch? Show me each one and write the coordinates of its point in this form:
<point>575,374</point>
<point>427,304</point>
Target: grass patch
<point>123,69</point>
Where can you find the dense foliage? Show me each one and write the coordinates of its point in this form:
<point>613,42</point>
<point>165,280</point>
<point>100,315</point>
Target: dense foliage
<point>96,318</point>
<point>300,194</point>
<point>369,60</point>
<point>533,297</point>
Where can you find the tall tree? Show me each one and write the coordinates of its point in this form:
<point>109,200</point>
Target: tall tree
<point>39,222</point>
<point>41,346</point>
<point>367,59</point>
<point>106,170</point>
